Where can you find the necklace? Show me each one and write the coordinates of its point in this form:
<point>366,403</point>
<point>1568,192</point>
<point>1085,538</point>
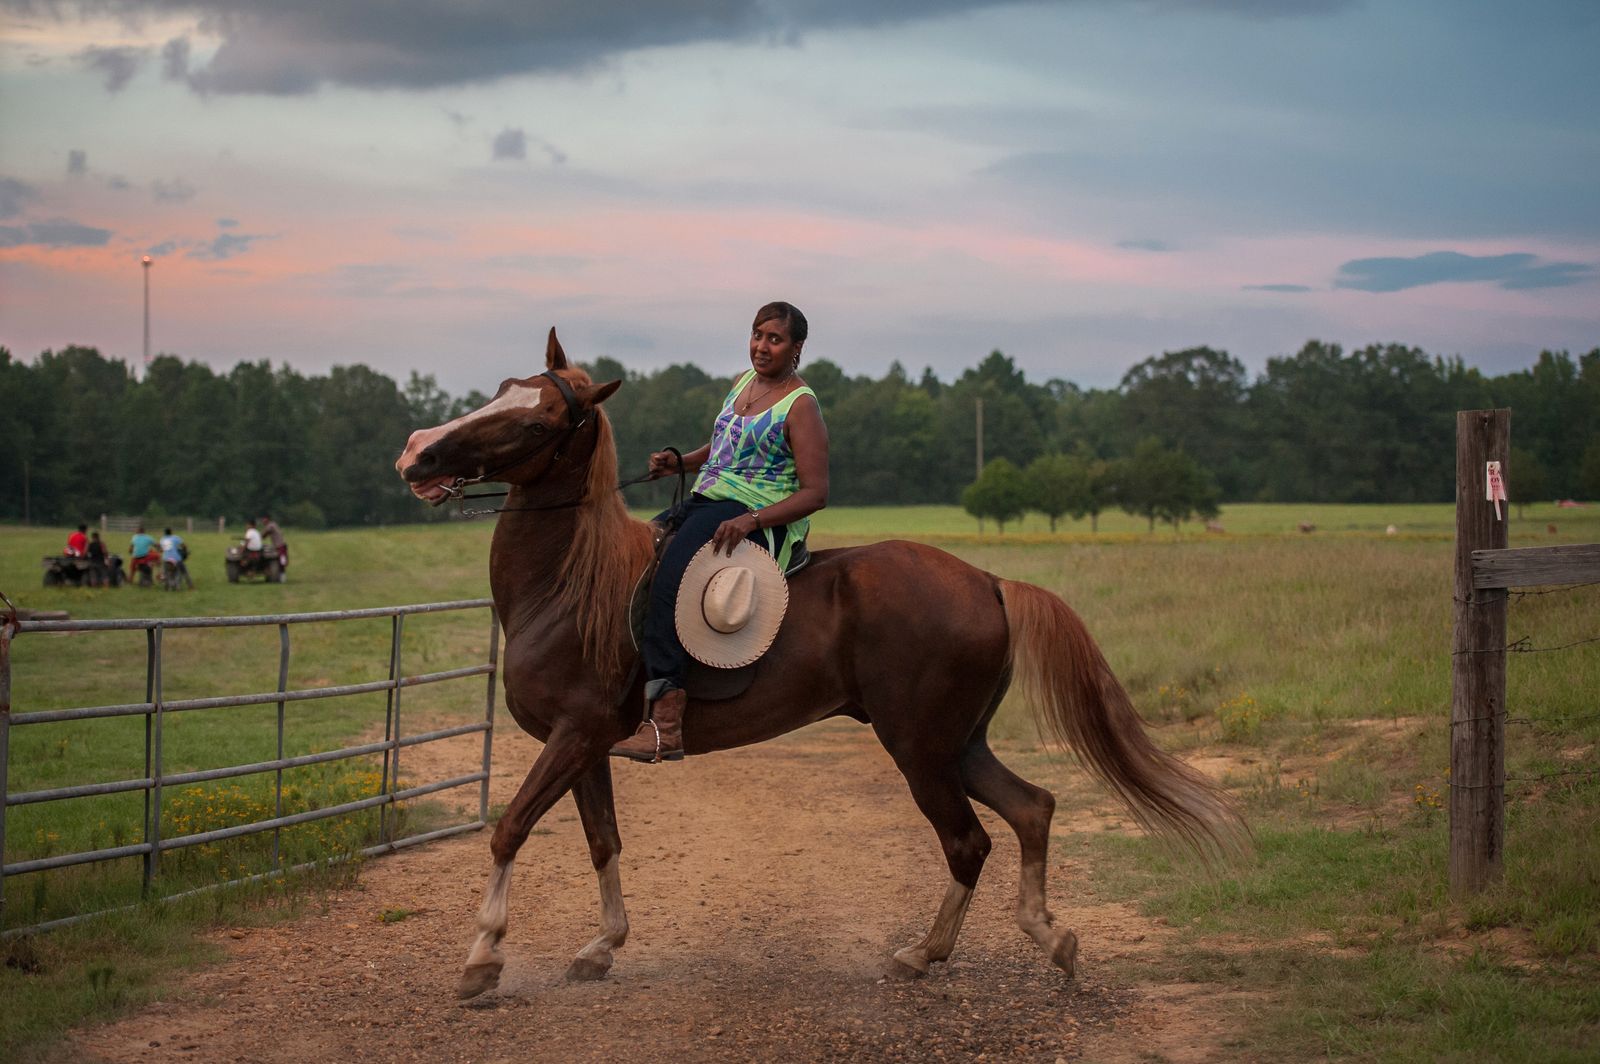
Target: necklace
<point>750,400</point>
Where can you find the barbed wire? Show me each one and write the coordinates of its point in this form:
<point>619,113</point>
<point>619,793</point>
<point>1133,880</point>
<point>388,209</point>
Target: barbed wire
<point>1523,646</point>
<point>1551,590</point>
<point>1522,779</point>
<point>1526,720</point>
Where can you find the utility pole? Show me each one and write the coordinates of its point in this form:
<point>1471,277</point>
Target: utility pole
<point>146,262</point>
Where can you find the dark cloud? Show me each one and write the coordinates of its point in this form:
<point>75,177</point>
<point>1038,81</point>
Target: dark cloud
<point>510,144</point>
<point>175,59</point>
<point>1144,245</point>
<point>56,233</point>
<point>1276,288</point>
<point>288,47</point>
<point>166,247</point>
<point>227,223</point>
<point>175,191</point>
<point>13,194</point>
<point>116,65</point>
<point>225,246</point>
<point>513,144</point>
<point>77,162</point>
<point>1514,271</point>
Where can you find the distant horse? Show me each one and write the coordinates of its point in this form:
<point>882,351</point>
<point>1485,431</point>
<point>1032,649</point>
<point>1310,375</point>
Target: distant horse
<point>906,638</point>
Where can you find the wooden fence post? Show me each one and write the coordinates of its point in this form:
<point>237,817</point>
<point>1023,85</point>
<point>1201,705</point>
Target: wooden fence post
<point>1478,673</point>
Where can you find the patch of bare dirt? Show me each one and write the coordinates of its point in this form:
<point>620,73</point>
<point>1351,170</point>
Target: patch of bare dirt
<point>765,889</point>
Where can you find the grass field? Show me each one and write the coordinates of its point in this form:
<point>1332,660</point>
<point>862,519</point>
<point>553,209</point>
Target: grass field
<point>1316,665</point>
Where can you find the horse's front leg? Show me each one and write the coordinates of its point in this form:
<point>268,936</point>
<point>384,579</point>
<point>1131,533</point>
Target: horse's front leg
<point>566,757</point>
<point>592,792</point>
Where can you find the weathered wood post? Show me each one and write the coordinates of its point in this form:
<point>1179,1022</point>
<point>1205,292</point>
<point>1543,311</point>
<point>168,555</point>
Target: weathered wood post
<point>1478,673</point>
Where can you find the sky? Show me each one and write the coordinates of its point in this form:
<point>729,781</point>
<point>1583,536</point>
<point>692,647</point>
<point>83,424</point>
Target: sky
<point>428,185</point>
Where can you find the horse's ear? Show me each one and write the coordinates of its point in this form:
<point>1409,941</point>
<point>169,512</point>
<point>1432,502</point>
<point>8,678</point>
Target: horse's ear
<point>554,357</point>
<point>595,394</point>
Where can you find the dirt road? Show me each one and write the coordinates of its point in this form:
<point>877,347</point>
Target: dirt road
<point>765,888</point>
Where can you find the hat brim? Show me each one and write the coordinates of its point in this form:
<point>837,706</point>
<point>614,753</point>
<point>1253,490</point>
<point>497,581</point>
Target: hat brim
<point>730,650</point>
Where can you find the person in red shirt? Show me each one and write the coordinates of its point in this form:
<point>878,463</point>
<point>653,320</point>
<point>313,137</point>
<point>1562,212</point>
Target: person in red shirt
<point>78,543</point>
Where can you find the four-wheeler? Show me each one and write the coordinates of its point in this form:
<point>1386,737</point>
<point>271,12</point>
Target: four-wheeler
<point>63,570</point>
<point>252,563</point>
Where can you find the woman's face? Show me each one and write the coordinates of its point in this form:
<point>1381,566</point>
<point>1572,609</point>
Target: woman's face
<point>772,353</point>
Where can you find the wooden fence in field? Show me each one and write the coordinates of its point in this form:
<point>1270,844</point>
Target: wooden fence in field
<point>1485,571</point>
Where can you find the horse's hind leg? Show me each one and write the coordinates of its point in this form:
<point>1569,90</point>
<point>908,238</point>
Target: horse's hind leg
<point>563,761</point>
<point>1028,810</point>
<point>939,794</point>
<point>592,792</point>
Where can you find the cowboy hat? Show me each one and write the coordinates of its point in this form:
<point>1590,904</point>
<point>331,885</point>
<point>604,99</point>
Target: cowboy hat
<point>730,606</point>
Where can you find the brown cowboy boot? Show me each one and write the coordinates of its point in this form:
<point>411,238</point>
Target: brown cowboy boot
<point>660,734</point>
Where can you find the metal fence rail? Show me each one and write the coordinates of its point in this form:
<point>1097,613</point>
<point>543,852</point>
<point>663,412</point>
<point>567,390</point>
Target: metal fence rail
<point>155,709</point>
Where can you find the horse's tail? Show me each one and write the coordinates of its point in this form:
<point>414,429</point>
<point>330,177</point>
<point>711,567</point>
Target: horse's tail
<point>1078,701</point>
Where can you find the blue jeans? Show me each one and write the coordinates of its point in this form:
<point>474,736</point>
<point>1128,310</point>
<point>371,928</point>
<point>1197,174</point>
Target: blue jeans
<point>664,657</point>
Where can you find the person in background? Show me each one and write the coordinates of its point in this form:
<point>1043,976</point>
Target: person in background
<point>78,543</point>
<point>272,536</point>
<point>142,551</point>
<point>252,537</point>
<point>174,554</point>
<point>98,573</point>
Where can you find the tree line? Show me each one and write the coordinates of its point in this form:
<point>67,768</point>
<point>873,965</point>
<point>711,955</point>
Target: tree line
<point>85,436</point>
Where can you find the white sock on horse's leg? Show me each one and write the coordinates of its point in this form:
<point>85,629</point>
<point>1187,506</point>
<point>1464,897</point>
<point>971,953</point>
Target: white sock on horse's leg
<point>1033,916</point>
<point>594,960</point>
<point>484,961</point>
<point>940,941</point>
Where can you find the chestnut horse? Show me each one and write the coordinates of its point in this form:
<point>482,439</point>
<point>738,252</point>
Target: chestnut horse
<point>856,642</point>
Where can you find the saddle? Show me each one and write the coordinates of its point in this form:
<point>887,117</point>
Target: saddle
<point>702,682</point>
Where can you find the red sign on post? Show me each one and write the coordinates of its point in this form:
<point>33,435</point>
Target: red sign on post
<point>1494,487</point>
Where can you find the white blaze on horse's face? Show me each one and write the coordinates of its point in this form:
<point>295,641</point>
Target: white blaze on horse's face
<point>512,396</point>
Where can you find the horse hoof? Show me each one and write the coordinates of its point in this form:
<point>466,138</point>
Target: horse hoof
<point>903,972</point>
<point>478,978</point>
<point>1065,954</point>
<point>587,970</point>
<point>908,964</point>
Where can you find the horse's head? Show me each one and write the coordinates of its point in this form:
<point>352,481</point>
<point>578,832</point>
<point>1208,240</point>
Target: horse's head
<point>515,437</point>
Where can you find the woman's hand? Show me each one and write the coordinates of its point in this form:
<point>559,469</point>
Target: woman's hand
<point>731,531</point>
<point>663,463</point>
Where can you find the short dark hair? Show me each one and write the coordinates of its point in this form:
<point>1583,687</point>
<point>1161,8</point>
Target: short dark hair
<point>167,532</point>
<point>83,528</point>
<point>787,313</point>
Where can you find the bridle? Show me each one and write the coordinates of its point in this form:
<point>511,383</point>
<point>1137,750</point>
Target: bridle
<point>577,418</point>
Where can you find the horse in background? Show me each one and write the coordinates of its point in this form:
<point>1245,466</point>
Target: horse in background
<point>855,642</point>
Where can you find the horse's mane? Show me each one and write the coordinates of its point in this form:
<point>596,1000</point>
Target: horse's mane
<point>609,550</point>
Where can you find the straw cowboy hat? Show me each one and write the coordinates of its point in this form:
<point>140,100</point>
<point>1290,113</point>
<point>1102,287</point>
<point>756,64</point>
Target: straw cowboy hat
<point>730,606</point>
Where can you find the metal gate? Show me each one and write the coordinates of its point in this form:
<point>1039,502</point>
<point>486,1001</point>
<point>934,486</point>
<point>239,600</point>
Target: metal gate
<point>155,709</point>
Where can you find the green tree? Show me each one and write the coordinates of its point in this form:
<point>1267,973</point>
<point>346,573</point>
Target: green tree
<point>1162,484</point>
<point>1058,484</point>
<point>1001,492</point>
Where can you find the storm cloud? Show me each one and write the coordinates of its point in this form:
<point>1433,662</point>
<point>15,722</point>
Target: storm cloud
<point>292,47</point>
<point>116,65</point>
<point>13,194</point>
<point>1514,271</point>
<point>56,233</point>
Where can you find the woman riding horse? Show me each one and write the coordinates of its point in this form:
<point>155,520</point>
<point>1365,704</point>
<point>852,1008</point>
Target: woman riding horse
<point>762,476</point>
<point>913,641</point>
